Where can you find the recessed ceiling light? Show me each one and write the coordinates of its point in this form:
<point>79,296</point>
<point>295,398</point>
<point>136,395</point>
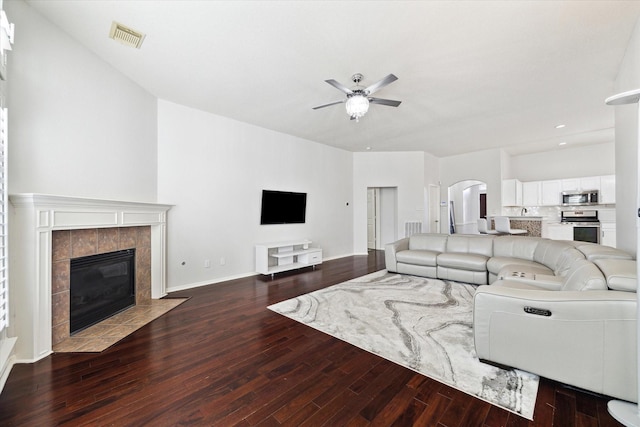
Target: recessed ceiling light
<point>563,143</point>
<point>560,126</point>
<point>368,148</point>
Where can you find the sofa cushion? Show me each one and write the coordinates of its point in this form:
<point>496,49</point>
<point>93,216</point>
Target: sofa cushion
<point>566,260</point>
<point>621,275</point>
<point>428,241</point>
<point>557,255</point>
<point>594,251</point>
<point>515,247</point>
<point>480,245</point>
<point>547,250</point>
<point>460,275</point>
<point>584,276</point>
<point>417,257</point>
<point>472,262</point>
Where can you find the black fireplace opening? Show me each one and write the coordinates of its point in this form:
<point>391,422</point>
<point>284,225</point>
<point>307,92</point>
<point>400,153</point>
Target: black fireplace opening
<point>101,286</point>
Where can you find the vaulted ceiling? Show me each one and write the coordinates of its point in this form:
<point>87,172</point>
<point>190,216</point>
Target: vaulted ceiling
<point>473,75</point>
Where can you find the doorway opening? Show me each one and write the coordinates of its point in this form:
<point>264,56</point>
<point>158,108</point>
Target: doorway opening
<point>467,203</point>
<point>382,223</point>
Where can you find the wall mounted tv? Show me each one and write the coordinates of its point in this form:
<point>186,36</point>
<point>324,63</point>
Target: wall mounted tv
<point>283,207</point>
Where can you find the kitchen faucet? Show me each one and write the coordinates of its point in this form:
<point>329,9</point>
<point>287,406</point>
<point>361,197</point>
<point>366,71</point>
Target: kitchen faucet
<point>523,211</point>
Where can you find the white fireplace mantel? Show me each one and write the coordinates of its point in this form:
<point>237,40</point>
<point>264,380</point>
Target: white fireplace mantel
<point>33,218</point>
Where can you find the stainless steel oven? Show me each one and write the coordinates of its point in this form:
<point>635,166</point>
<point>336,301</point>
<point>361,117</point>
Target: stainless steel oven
<point>586,233</point>
<point>586,226</point>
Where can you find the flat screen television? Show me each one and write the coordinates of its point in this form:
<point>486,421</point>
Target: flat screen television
<point>283,207</point>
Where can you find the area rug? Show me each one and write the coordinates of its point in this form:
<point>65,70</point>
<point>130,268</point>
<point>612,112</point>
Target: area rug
<point>423,324</point>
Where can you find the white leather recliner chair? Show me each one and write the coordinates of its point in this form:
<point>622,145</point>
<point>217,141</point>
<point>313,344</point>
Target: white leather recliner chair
<point>583,336</point>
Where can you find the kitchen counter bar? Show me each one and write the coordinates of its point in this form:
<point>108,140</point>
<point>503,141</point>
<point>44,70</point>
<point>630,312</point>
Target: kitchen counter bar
<point>533,224</point>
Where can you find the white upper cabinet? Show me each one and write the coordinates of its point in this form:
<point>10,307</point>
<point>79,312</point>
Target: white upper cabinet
<point>571,184</point>
<point>608,189</point>
<point>550,190</point>
<point>581,184</point>
<point>547,193</point>
<point>531,193</point>
<point>511,192</point>
<point>590,183</point>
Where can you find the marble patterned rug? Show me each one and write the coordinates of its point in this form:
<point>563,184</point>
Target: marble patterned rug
<point>422,324</point>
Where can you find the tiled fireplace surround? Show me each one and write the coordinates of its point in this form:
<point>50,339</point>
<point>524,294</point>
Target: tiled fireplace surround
<point>69,244</point>
<point>46,231</point>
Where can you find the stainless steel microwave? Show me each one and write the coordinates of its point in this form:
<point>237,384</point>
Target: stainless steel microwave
<point>579,198</point>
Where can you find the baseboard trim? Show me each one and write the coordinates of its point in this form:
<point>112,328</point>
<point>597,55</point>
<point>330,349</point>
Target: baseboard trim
<point>239,276</point>
<point>7,359</point>
<point>209,282</point>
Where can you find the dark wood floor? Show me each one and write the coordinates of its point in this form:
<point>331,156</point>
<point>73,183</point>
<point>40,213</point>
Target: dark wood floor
<point>223,359</point>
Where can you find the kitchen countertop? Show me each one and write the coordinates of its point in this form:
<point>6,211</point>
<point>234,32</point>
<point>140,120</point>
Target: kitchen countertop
<point>525,218</point>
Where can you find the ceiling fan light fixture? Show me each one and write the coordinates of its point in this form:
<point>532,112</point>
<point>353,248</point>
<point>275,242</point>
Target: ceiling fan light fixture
<point>359,98</point>
<point>357,106</point>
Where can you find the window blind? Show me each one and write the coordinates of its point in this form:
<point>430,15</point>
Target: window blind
<point>4,291</point>
<point>7,31</point>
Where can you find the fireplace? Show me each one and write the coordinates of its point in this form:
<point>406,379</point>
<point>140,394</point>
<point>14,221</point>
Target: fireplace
<point>101,286</point>
<point>47,231</point>
<point>71,245</point>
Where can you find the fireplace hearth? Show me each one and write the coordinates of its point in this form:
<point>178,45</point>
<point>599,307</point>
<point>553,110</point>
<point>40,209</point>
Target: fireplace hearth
<point>101,286</point>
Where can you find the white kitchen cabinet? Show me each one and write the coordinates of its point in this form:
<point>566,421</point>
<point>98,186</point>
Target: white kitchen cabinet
<point>590,183</point>
<point>531,193</point>
<point>608,234</point>
<point>608,189</point>
<point>550,190</point>
<point>559,232</point>
<point>581,184</point>
<point>511,192</point>
<point>570,184</point>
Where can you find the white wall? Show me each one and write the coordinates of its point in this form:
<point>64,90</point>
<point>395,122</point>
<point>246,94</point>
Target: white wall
<point>431,169</point>
<point>77,126</point>
<point>627,148</point>
<point>485,166</point>
<point>592,160</point>
<point>214,170</point>
<point>403,170</point>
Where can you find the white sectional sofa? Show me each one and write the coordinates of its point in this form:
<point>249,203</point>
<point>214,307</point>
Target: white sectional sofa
<point>563,310</point>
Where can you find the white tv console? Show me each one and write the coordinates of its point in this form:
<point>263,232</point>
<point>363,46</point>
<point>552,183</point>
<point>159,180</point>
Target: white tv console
<point>276,257</point>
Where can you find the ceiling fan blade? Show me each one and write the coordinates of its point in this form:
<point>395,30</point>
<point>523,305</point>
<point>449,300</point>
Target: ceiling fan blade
<point>339,86</point>
<point>389,102</point>
<point>329,104</point>
<point>380,84</point>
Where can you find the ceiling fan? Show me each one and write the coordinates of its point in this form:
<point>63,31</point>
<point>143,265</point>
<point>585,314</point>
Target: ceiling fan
<point>359,98</point>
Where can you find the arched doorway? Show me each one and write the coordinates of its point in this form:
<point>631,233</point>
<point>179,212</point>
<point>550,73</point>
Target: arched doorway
<point>467,203</point>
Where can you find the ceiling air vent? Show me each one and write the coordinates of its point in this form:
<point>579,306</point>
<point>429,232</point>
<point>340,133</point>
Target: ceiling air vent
<point>126,35</point>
